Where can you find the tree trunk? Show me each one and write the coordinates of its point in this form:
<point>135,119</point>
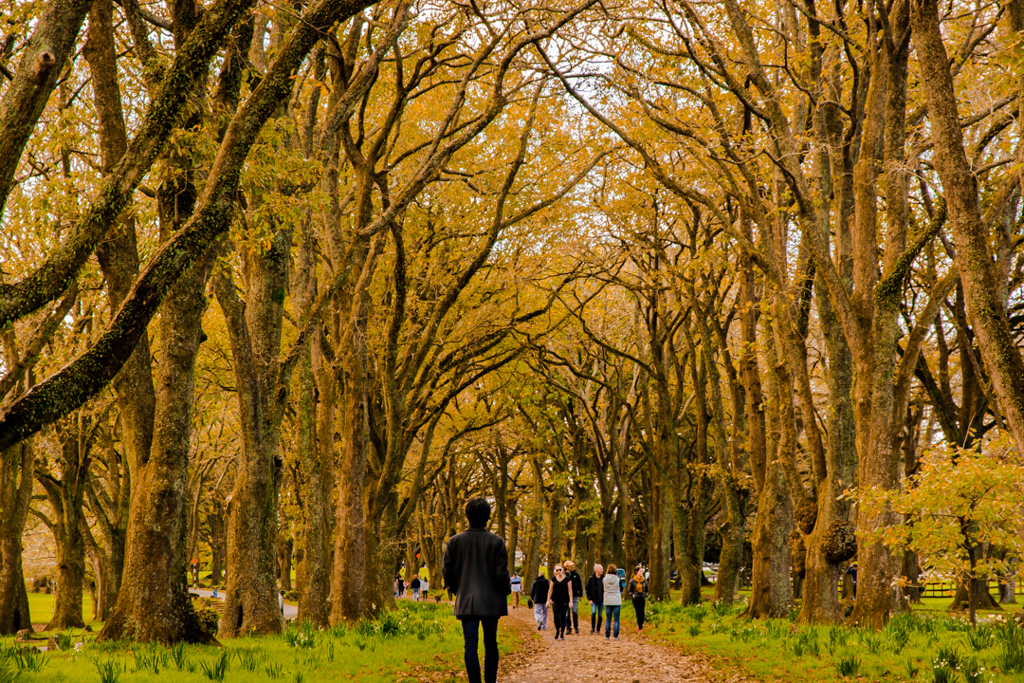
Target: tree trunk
<point>985,305</point>
<point>217,534</point>
<point>316,456</point>
<point>17,465</point>
<point>348,584</point>
<point>772,593</point>
<point>285,548</point>
<point>153,604</point>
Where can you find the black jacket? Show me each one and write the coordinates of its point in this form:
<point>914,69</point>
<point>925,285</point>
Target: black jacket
<point>539,590</point>
<point>577,583</point>
<point>476,568</point>
<point>636,591</point>
<point>595,590</point>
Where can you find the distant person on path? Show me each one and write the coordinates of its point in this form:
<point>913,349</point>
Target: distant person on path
<point>612,600</point>
<point>398,586</point>
<point>577,593</point>
<point>425,587</point>
<point>517,588</point>
<point>415,586</point>
<point>638,590</point>
<point>476,569</point>
<point>195,572</point>
<point>595,594</point>
<point>559,599</point>
<point>539,596</point>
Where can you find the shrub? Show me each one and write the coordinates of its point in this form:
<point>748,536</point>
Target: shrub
<point>836,638</point>
<point>978,637</point>
<point>912,668</point>
<point>390,625</point>
<point>208,619</point>
<point>847,666</point>
<point>302,636</point>
<point>1010,638</point>
<point>805,642</point>
<point>218,669</point>
<point>28,659</point>
<point>65,641</point>
<point>897,632</point>
<point>694,630</point>
<point>109,671</point>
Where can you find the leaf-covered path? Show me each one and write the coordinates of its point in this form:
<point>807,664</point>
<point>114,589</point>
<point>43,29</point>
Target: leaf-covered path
<point>586,657</point>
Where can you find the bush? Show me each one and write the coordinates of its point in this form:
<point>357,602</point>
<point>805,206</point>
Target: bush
<point>847,666</point>
<point>208,619</point>
<point>218,669</point>
<point>1010,638</point>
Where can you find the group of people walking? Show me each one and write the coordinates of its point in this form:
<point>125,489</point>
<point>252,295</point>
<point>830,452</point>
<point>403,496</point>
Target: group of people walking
<point>560,596</point>
<point>475,570</point>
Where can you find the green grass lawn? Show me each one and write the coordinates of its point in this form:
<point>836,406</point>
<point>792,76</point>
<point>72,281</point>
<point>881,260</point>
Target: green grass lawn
<point>911,648</point>
<point>415,642</point>
<point>40,607</point>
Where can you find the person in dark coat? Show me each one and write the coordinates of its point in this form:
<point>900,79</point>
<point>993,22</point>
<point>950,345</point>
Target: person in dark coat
<point>595,594</point>
<point>475,567</point>
<point>539,597</point>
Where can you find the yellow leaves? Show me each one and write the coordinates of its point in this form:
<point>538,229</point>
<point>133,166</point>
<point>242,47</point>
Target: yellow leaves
<point>959,500</point>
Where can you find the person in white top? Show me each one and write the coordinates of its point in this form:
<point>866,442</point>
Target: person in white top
<point>612,600</point>
<point>517,588</point>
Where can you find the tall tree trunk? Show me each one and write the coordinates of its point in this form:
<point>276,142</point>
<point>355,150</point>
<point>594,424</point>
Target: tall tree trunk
<point>986,307</point>
<point>153,603</point>
<point>348,584</point>
<point>17,465</point>
<point>255,328</point>
<point>772,593</point>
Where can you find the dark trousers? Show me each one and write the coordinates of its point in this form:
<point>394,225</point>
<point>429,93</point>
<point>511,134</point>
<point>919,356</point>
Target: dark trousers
<point>471,634</point>
<point>639,605</point>
<point>596,617</point>
<point>561,610</point>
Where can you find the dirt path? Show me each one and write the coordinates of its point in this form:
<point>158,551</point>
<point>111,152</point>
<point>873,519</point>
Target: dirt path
<point>586,657</point>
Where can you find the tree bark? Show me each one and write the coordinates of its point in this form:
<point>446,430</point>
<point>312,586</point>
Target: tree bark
<point>985,307</point>
<point>17,465</point>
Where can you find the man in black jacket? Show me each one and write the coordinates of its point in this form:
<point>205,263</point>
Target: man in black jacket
<point>539,596</point>
<point>576,584</point>
<point>595,594</point>
<point>476,569</point>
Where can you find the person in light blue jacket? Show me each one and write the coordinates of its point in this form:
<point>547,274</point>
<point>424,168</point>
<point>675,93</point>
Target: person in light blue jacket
<point>612,600</point>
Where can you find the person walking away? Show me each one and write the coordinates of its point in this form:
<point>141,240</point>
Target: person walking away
<point>595,595</point>
<point>475,567</point>
<point>425,587</point>
<point>559,598</point>
<point>638,590</point>
<point>539,596</point>
<point>577,593</point>
<point>398,587</point>
<point>415,586</point>
<point>612,601</point>
<point>517,588</point>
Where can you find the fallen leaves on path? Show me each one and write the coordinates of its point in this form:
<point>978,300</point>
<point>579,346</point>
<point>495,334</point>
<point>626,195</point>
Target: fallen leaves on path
<point>587,657</point>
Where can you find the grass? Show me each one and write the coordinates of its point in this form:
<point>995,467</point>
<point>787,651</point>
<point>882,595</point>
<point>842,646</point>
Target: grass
<point>929,645</point>
<point>40,607</point>
<point>415,642</point>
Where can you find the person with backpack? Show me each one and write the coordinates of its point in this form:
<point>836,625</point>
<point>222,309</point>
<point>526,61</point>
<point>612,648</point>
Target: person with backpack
<point>638,590</point>
<point>595,595</point>
<point>612,600</point>
<point>576,586</point>
<point>539,597</point>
